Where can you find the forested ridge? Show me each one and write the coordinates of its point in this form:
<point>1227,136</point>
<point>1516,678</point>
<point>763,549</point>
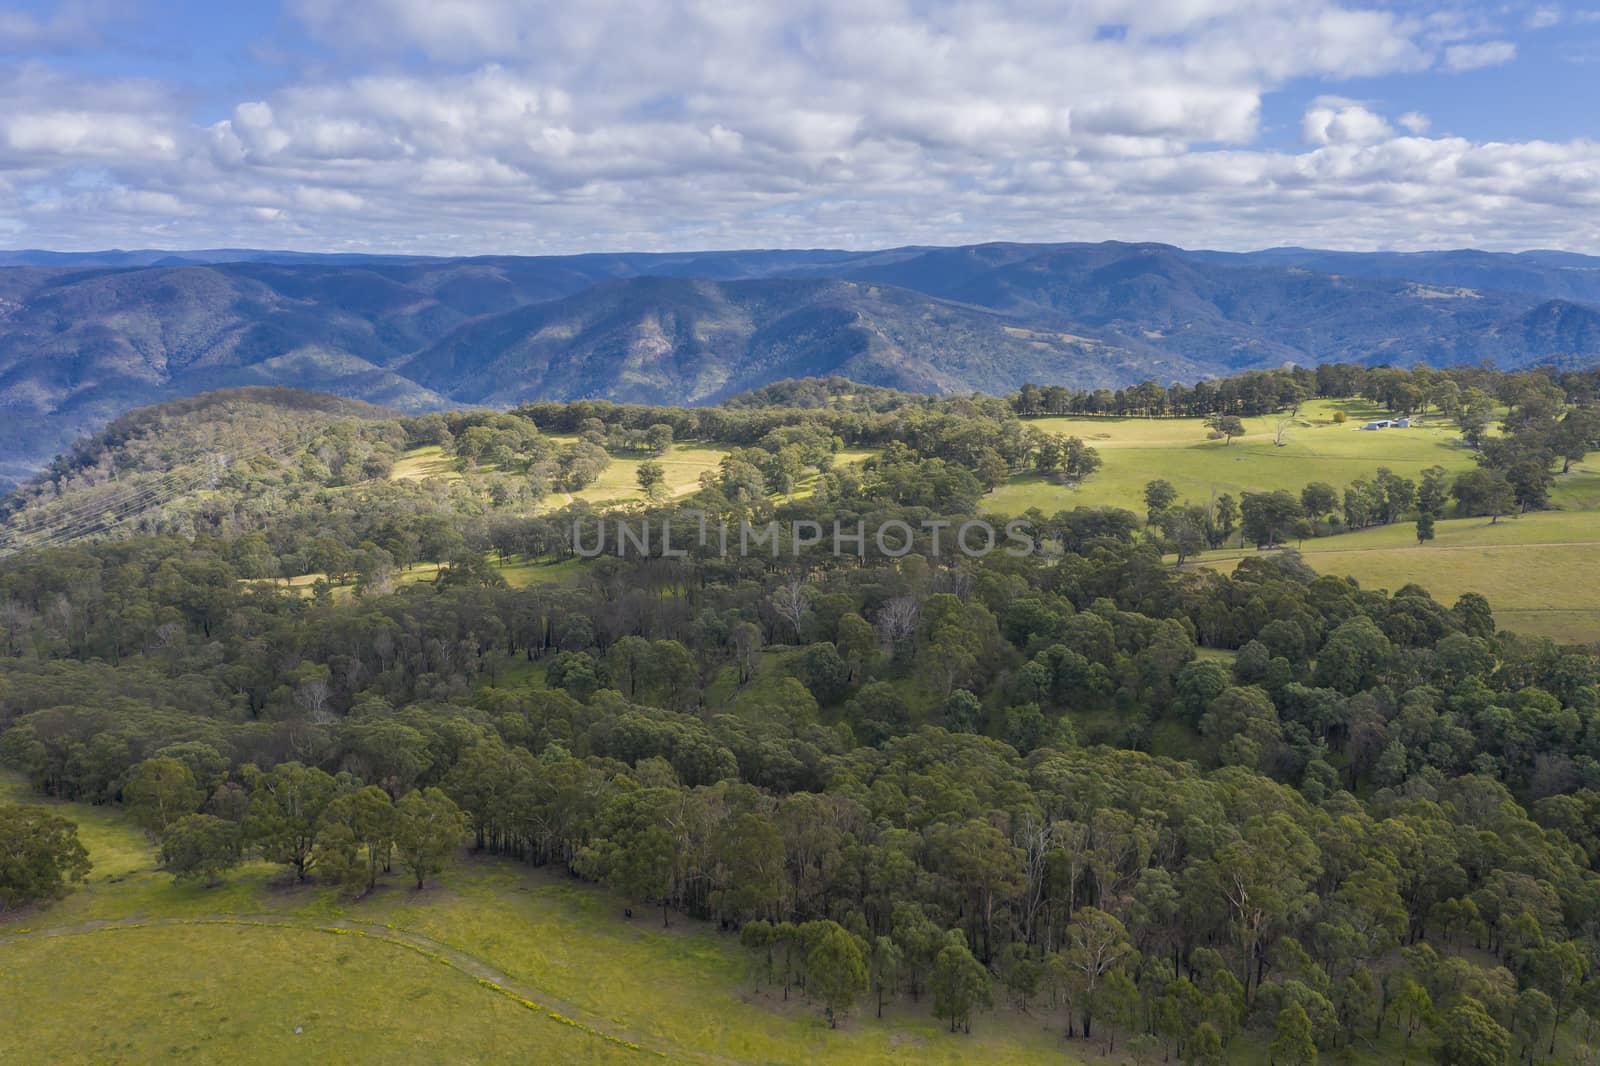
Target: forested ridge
<point>1178,812</point>
<point>87,337</point>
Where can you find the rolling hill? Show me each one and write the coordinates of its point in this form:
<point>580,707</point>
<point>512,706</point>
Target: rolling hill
<point>691,341</point>
<point>87,336</point>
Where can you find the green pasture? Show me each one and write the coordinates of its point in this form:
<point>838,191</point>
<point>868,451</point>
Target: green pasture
<point>227,974</point>
<point>1539,571</point>
<point>1136,451</point>
<point>619,483</point>
<point>493,962</point>
<point>518,573</point>
<point>425,462</point>
<point>683,464</point>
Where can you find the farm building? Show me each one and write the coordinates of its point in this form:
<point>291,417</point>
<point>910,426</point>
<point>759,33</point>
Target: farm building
<point>1389,423</point>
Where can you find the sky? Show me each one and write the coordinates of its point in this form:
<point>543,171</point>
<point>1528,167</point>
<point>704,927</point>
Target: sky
<point>460,127</point>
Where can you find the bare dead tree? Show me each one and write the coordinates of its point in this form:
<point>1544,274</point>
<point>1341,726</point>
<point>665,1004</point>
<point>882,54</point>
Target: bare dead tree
<point>791,601</point>
<point>1037,839</point>
<point>312,697</point>
<point>897,620</point>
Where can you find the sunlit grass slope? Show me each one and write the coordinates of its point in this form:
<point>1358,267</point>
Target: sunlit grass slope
<point>228,974</point>
<point>1540,571</point>
<point>1138,450</point>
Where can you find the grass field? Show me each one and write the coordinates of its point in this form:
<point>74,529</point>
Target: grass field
<point>251,1000</point>
<point>619,483</point>
<point>228,974</point>
<point>1538,570</point>
<point>494,962</point>
<point>419,464</point>
<point>519,573</point>
<point>1139,450</point>
<point>683,466</point>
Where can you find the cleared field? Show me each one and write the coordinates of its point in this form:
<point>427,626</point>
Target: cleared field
<point>1139,450</point>
<point>519,573</point>
<point>843,457</point>
<point>231,993</point>
<point>619,483</point>
<point>1540,572</point>
<point>683,466</point>
<point>406,979</point>
<point>1578,489</point>
<point>418,464</point>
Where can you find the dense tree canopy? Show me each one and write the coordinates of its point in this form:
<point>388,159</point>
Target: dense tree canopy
<point>1166,802</point>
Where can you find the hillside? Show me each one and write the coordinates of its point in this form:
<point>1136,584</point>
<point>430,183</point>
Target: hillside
<point>171,466</point>
<point>668,340</point>
<point>1524,565</point>
<point>87,336</point>
<point>309,961</point>
<point>337,702</point>
<point>1157,299</point>
<point>1541,274</point>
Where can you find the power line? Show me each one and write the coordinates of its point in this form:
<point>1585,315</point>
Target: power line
<point>89,517</point>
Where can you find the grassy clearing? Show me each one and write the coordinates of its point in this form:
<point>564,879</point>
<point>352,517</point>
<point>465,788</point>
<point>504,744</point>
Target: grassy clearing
<point>1536,570</point>
<point>226,974</point>
<point>521,573</point>
<point>841,458</point>
<point>496,962</point>
<point>1579,488</point>
<point>518,572</point>
<point>419,464</point>
<point>683,464</point>
<point>1138,450</point>
<point>225,993</point>
<point>619,483</point>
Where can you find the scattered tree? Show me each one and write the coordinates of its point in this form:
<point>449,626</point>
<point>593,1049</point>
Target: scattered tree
<point>39,854</point>
<point>200,848</point>
<point>652,478</point>
<point>161,791</point>
<point>836,971</point>
<point>1226,427</point>
<point>960,983</point>
<point>429,827</point>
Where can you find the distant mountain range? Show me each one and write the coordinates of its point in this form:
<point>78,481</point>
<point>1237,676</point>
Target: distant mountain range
<point>85,336</point>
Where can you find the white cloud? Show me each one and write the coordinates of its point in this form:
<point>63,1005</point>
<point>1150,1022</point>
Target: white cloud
<point>553,128</point>
<point>48,120</point>
<point>74,24</point>
<point>1334,120</point>
<point>1542,18</point>
<point>1483,54</point>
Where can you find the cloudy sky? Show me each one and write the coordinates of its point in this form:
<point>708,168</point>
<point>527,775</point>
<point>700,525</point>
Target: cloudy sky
<point>468,126</point>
